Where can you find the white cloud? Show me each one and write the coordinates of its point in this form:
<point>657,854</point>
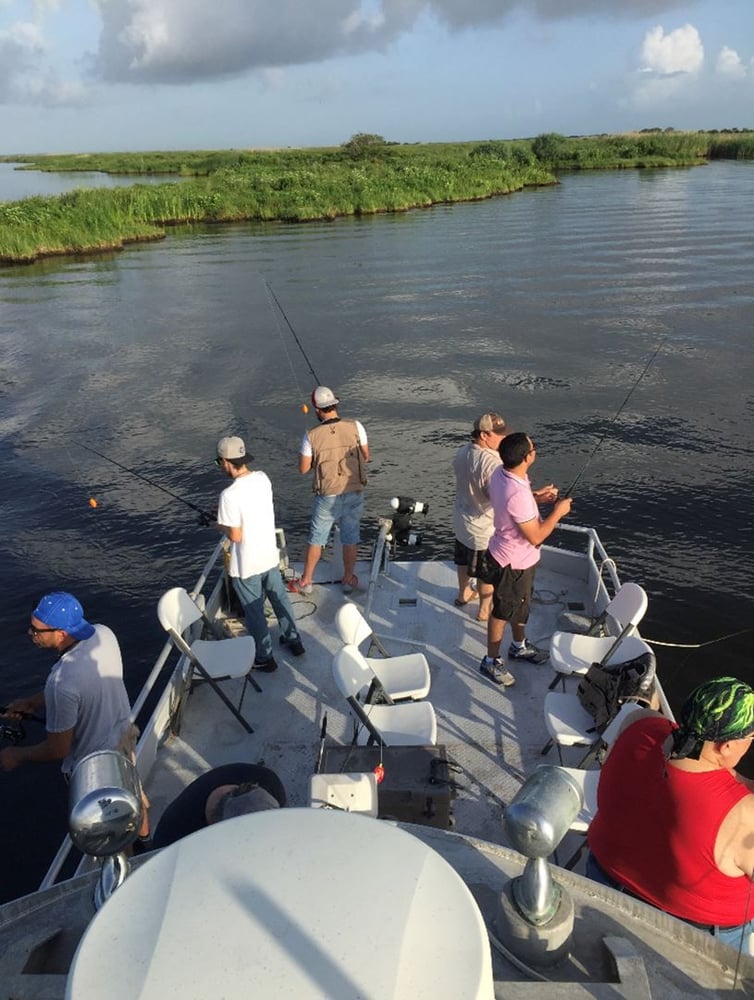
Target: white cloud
<point>24,77</point>
<point>678,51</point>
<point>52,92</point>
<point>729,64</point>
<point>25,34</point>
<point>657,93</point>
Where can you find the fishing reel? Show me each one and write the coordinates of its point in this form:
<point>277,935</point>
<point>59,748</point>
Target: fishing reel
<point>405,507</point>
<point>12,732</point>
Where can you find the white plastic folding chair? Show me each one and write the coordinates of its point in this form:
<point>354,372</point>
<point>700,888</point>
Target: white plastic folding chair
<point>408,724</point>
<point>213,659</point>
<point>574,654</point>
<point>346,791</point>
<point>400,677</point>
<point>570,725</point>
<point>587,782</point>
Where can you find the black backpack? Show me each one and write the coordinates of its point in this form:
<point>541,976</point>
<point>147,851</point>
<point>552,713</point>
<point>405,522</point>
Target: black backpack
<point>603,689</point>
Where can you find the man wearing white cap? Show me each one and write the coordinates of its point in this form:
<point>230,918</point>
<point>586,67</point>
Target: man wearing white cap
<point>337,453</point>
<point>246,514</point>
<point>85,700</point>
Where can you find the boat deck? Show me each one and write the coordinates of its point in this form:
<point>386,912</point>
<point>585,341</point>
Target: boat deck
<point>494,734</point>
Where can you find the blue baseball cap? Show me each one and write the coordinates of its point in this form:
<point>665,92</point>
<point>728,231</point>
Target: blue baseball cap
<point>63,611</point>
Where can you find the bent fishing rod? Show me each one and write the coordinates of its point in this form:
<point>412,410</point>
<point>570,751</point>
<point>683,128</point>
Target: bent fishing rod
<point>205,517</point>
<point>293,332</point>
<point>647,366</point>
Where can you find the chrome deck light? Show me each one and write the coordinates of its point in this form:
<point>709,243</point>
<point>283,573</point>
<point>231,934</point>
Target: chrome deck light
<point>105,814</point>
<point>535,915</point>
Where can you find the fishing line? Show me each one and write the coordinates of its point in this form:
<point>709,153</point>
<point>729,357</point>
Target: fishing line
<point>697,645</point>
<point>569,491</point>
<point>150,482</point>
<point>279,329</point>
<point>293,332</point>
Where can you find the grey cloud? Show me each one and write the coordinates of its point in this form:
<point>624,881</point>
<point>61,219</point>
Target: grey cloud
<point>14,60</point>
<point>182,41</point>
<point>469,13</point>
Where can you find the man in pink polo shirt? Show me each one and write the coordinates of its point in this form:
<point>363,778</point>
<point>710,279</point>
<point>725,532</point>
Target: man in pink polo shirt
<point>514,552</point>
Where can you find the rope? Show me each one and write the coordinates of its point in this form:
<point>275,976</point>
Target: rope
<point>697,645</point>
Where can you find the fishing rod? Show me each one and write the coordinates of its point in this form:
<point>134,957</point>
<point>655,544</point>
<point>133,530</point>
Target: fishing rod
<point>295,336</point>
<point>205,517</point>
<point>647,366</point>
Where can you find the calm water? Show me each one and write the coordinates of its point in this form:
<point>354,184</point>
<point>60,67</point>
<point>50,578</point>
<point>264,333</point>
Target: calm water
<point>16,184</point>
<point>546,306</point>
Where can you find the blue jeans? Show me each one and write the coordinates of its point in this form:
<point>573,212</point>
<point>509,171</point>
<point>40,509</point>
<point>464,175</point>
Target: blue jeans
<point>728,935</point>
<point>252,591</point>
<point>345,508</point>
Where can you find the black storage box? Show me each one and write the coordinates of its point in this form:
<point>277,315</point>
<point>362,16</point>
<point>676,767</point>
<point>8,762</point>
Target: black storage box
<point>417,787</point>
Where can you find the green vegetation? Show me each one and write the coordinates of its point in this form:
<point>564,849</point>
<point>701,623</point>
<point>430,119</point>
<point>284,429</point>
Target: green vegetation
<point>365,175</point>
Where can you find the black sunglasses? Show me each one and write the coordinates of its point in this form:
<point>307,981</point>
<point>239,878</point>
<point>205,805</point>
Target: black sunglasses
<point>38,631</point>
<point>219,461</point>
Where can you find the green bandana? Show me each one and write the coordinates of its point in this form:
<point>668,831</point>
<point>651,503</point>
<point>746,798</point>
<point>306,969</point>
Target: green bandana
<point>716,711</point>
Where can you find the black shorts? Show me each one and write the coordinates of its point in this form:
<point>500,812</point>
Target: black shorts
<point>511,599</point>
<point>464,556</point>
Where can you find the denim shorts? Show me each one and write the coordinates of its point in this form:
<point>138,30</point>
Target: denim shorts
<point>344,510</point>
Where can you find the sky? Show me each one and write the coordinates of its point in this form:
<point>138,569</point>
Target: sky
<point>107,75</point>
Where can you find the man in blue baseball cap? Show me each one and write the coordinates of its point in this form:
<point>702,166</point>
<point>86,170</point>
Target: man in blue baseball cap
<point>85,701</point>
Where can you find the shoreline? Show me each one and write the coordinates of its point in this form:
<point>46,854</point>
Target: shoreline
<point>358,179</point>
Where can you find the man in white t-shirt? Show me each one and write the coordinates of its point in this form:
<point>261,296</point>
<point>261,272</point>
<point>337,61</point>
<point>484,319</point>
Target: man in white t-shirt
<point>85,701</point>
<point>246,515</point>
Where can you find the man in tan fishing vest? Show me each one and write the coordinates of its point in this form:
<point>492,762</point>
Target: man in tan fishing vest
<point>336,452</point>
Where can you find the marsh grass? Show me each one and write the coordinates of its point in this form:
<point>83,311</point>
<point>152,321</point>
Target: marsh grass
<point>312,184</point>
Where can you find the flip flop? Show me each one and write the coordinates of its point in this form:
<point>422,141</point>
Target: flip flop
<point>349,585</point>
<point>459,603</point>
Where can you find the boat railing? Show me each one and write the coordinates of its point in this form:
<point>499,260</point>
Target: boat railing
<point>380,565</point>
<point>149,740</point>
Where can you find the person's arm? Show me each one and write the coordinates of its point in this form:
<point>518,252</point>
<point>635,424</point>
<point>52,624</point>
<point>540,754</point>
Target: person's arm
<point>536,531</point>
<point>305,456</point>
<point>21,707</point>
<point>227,514</point>
<point>55,746</point>
<point>363,442</point>
<point>234,534</point>
<point>734,846</point>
